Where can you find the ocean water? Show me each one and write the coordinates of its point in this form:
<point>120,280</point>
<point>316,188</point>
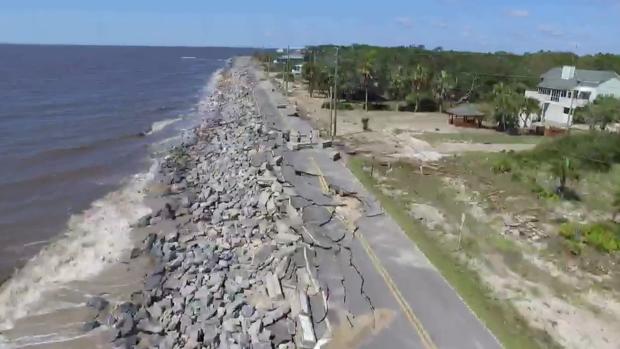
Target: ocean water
<point>78,126</point>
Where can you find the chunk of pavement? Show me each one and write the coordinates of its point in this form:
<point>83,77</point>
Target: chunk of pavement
<point>210,334</point>
<point>287,238</point>
<point>326,144</point>
<point>280,332</point>
<point>247,311</point>
<point>255,329</point>
<point>306,338</point>
<point>334,155</point>
<point>126,324</point>
<point>274,289</point>
<point>97,303</point>
<point>149,326</point>
<point>304,302</point>
<point>230,325</point>
<point>277,314</point>
<point>282,226</point>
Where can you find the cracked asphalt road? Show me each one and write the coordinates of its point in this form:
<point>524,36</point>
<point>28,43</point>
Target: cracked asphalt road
<point>381,291</point>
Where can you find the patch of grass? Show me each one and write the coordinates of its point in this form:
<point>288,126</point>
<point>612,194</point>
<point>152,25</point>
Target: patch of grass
<point>500,317</point>
<point>603,236</point>
<point>502,165</point>
<point>486,138</point>
<point>543,193</point>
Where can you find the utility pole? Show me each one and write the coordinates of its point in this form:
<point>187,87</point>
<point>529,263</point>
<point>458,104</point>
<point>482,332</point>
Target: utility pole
<point>286,69</point>
<point>571,113</point>
<point>335,96</point>
<point>331,110</point>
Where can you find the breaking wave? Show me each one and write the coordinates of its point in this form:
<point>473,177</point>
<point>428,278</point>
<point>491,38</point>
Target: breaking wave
<point>93,239</point>
<point>160,125</point>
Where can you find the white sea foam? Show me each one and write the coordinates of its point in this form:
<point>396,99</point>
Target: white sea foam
<point>93,239</point>
<point>160,125</point>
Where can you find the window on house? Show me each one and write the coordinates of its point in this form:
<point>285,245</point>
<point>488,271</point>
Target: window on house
<point>584,95</point>
<point>568,94</point>
<point>563,93</point>
<point>566,111</point>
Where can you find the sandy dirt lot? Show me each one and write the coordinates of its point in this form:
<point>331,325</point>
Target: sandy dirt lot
<point>398,134</point>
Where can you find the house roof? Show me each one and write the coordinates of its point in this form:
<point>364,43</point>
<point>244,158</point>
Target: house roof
<point>466,109</point>
<point>583,77</point>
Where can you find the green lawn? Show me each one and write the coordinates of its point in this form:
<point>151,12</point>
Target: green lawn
<point>500,317</point>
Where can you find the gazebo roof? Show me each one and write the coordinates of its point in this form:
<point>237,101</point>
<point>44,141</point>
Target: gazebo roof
<point>466,109</point>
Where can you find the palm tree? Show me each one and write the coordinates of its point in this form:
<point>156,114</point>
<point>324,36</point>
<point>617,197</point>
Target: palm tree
<point>397,83</point>
<point>506,103</point>
<point>309,72</point>
<point>603,111</point>
<point>366,71</point>
<point>563,169</point>
<point>441,84</point>
<point>528,106</point>
<point>419,80</point>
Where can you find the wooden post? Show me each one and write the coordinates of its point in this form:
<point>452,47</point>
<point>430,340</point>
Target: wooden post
<point>331,110</point>
<point>461,231</point>
<point>372,167</point>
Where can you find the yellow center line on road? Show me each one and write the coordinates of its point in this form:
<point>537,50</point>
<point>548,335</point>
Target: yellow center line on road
<point>322,180</point>
<point>427,342</point>
<point>425,338</point>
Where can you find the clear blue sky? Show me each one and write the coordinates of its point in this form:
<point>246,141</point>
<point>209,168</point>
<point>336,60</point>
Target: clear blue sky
<point>585,26</point>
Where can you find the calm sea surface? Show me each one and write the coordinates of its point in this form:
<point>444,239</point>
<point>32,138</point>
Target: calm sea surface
<point>70,124</point>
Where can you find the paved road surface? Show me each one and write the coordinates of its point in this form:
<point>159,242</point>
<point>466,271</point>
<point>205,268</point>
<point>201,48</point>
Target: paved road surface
<point>375,270</point>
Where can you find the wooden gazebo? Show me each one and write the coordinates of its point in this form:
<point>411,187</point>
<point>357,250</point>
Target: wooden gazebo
<point>465,115</point>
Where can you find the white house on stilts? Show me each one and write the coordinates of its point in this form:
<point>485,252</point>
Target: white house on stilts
<point>561,90</point>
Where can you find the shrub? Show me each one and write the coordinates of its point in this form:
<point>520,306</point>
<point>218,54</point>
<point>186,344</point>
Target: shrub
<point>379,106</point>
<point>502,165</point>
<point>602,236</point>
<point>590,150</point>
<point>543,193</point>
<point>341,106</point>
<point>574,247</point>
<point>426,103</point>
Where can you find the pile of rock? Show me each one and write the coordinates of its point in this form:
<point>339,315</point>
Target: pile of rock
<point>523,226</point>
<point>233,273</point>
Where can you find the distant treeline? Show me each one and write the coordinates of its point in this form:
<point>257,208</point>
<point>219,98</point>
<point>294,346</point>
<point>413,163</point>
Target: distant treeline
<point>397,72</point>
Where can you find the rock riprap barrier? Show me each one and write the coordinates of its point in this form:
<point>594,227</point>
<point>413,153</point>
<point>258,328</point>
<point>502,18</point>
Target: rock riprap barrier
<point>232,274</point>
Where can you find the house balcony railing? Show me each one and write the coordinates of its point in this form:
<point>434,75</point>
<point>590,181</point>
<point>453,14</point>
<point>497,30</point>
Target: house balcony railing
<point>564,101</point>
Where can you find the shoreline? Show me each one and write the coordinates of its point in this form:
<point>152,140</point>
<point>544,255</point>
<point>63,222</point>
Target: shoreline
<point>71,141</point>
<point>50,297</point>
<point>218,237</point>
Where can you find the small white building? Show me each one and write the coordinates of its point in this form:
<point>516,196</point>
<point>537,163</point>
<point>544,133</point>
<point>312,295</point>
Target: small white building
<point>297,69</point>
<point>563,89</point>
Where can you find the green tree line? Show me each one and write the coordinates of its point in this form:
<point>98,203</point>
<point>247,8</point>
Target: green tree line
<point>428,79</point>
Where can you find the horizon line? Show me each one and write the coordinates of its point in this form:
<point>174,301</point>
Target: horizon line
<point>302,47</point>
